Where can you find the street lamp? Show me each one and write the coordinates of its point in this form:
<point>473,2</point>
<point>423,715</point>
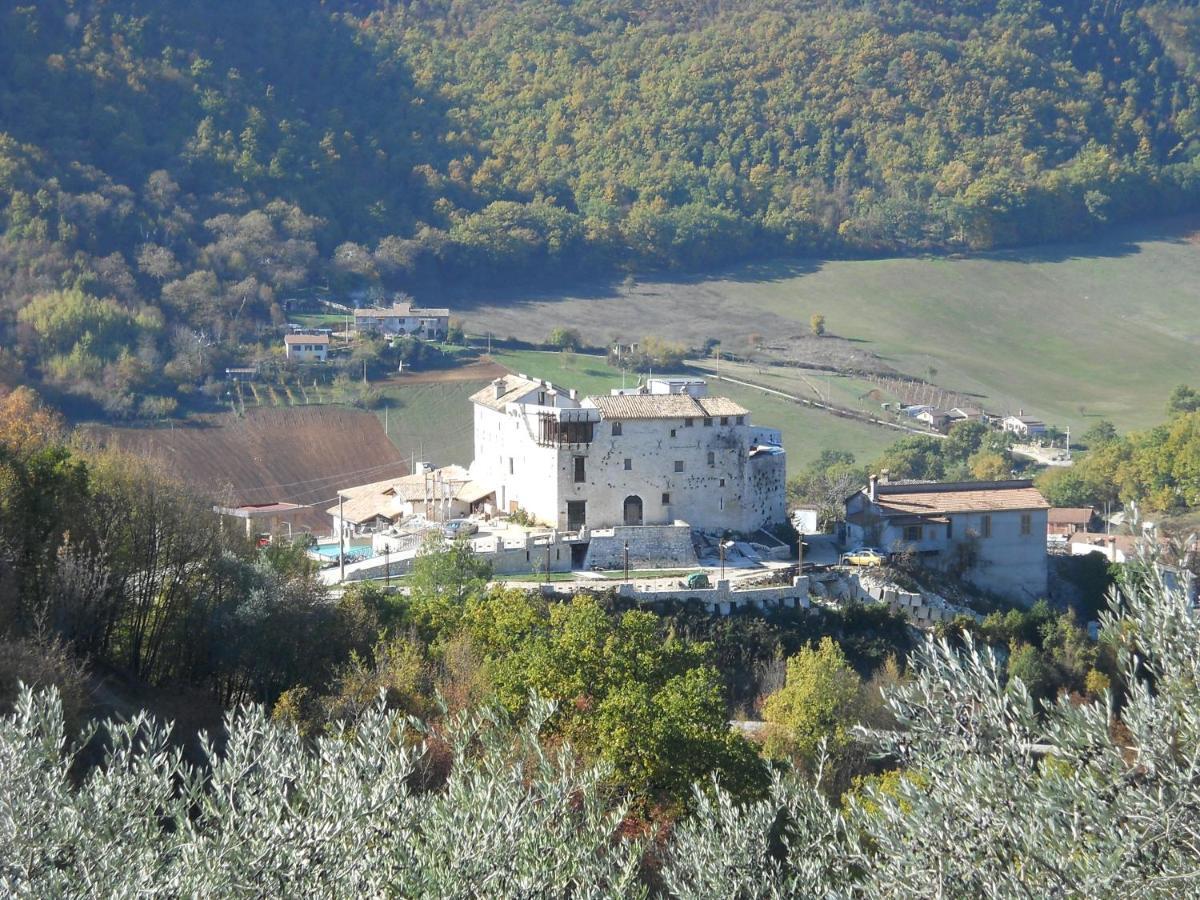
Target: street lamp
<point>724,545</point>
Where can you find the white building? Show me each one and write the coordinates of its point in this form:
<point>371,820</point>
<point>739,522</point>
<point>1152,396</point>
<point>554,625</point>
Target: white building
<point>653,455</point>
<point>1023,426</point>
<point>306,347</point>
<point>404,319</point>
<point>991,533</point>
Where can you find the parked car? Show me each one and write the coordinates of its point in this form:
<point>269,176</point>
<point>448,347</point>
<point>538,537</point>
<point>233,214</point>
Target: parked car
<point>864,556</point>
<point>456,527</point>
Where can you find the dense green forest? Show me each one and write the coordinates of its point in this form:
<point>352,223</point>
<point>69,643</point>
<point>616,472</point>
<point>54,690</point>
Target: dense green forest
<point>179,170</point>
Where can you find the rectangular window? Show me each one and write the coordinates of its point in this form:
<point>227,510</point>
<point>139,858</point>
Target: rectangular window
<point>666,499</point>
<point>741,420</point>
<point>672,432</point>
<point>628,464</point>
<point>721,504</point>
<point>616,429</point>
<point>579,471</point>
<point>1026,523</point>
<point>510,466</point>
<point>707,422</point>
<point>679,465</point>
<point>724,420</point>
<point>712,458</point>
<point>722,482</point>
<point>576,514</point>
<point>912,533</point>
<point>985,527</point>
<point>688,423</point>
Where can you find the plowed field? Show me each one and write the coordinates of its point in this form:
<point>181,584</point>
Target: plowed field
<point>298,454</point>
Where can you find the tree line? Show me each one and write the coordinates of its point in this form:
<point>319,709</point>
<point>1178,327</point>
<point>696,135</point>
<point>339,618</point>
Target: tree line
<point>174,176</point>
<point>988,792</point>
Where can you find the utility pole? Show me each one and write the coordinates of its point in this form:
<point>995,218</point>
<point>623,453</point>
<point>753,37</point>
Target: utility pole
<point>387,564</point>
<point>626,561</point>
<point>385,420</point>
<point>341,541</point>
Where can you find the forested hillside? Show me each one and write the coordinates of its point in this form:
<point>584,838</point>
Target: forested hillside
<point>180,168</point>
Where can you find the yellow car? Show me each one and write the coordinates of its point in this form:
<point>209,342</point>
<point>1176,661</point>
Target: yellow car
<point>866,556</point>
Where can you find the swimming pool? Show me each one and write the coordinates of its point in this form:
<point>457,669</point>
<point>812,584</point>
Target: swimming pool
<point>330,551</point>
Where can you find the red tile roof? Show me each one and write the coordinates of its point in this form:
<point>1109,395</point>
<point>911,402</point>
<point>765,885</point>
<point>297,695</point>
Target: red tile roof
<point>958,497</point>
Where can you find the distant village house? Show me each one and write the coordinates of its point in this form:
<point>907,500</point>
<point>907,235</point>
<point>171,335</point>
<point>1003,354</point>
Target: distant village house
<point>1069,520</point>
<point>404,319</point>
<point>1023,426</point>
<point>306,347</point>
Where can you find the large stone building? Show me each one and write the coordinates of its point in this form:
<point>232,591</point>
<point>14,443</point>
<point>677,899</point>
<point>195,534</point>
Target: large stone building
<point>653,455</point>
<point>991,533</point>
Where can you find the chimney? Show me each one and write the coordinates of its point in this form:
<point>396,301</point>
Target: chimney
<point>885,476</point>
<point>871,482</point>
<point>499,386</point>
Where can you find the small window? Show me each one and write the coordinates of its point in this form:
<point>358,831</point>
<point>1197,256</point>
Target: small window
<point>712,458</point>
<point>628,464</point>
<point>1026,523</point>
<point>672,432</point>
<point>721,504</point>
<point>666,499</point>
<point>707,422</point>
<point>724,420</point>
<point>511,467</point>
<point>985,527</point>
<point>679,465</point>
<point>741,420</point>
<point>580,476</point>
<point>688,423</point>
<point>616,429</point>
<point>912,533</point>
<point>722,482</point>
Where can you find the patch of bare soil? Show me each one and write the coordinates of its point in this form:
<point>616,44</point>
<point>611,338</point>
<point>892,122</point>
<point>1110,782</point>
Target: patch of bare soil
<point>693,314</point>
<point>296,454</point>
<point>480,370</point>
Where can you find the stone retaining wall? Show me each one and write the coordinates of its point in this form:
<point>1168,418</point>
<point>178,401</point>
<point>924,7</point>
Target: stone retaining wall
<point>650,547</point>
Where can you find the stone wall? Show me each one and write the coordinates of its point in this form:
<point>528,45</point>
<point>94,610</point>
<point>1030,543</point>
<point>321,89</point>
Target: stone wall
<point>650,546</point>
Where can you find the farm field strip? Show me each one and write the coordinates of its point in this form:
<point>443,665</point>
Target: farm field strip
<point>1071,333</point>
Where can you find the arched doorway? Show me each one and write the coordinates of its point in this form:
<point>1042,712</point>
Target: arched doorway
<point>633,510</point>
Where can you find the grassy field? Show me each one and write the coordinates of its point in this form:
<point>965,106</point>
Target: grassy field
<point>1072,332</point>
<point>431,421</point>
<point>806,432</point>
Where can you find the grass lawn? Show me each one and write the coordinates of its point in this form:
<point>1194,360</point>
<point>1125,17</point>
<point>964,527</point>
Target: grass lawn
<point>806,431</point>
<point>1071,332</point>
<point>321,320</point>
